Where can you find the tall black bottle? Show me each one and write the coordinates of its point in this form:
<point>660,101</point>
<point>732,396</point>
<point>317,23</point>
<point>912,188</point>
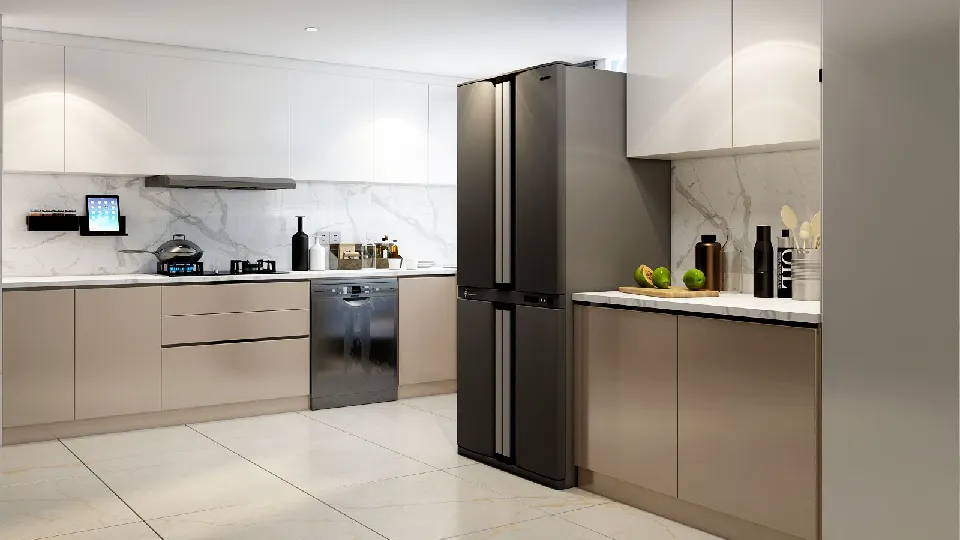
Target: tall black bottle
<point>763,256</point>
<point>300,257</point>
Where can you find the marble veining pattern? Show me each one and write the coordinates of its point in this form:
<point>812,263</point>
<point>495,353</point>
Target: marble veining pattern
<point>343,474</point>
<point>729,196</point>
<point>227,224</point>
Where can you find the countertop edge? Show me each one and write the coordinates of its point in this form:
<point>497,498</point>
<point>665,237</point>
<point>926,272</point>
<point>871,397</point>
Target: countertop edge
<point>728,305</point>
<point>64,282</point>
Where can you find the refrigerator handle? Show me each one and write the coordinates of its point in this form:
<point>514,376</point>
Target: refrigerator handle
<point>505,384</point>
<point>507,185</point>
<point>498,380</point>
<point>498,183</point>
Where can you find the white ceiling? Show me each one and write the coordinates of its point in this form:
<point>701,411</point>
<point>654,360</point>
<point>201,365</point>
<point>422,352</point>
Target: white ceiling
<point>466,38</point>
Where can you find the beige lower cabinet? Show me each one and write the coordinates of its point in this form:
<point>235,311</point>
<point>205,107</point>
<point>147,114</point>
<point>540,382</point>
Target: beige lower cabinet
<point>38,377</point>
<point>748,422</point>
<point>627,362</point>
<point>196,376</point>
<point>427,330</point>
<point>117,351</point>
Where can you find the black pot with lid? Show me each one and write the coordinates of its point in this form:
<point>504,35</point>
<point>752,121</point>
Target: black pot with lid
<point>175,251</point>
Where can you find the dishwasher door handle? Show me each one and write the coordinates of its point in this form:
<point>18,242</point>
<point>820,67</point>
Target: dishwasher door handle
<point>357,302</point>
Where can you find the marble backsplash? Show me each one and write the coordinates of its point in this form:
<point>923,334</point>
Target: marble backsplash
<point>226,224</point>
<point>729,196</point>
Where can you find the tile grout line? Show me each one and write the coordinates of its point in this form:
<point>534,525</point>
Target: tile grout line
<point>298,488</point>
<point>321,422</point>
<point>426,411</point>
<point>115,494</point>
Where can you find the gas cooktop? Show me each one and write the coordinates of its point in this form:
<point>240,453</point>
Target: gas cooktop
<point>237,268</point>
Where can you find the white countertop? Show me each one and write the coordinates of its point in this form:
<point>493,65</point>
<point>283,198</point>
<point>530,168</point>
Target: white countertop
<point>728,304</point>
<point>154,279</point>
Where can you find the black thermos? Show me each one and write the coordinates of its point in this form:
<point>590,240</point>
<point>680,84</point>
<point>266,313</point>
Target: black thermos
<point>300,259</point>
<point>763,256</point>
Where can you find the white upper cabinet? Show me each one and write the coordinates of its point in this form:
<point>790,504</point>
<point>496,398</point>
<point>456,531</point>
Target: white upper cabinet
<point>33,127</point>
<point>679,85</point>
<point>331,127</point>
<point>211,118</point>
<point>443,135</point>
<point>401,132</point>
<point>776,62</point>
<point>106,112</point>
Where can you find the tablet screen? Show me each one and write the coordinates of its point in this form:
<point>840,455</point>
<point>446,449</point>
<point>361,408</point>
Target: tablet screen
<point>103,213</point>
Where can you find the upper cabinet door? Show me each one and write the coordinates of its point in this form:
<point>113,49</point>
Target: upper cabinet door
<point>679,85</point>
<point>33,127</point>
<point>776,62</point>
<point>443,135</point>
<point>106,112</point>
<point>401,125</point>
<point>331,127</point>
<point>211,118</point>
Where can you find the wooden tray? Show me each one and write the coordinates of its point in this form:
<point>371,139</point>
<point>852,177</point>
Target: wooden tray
<point>672,292</point>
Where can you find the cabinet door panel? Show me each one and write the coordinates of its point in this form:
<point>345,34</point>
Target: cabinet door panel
<point>443,135</point>
<point>540,391</point>
<point>331,127</point>
<point>118,351</point>
<point>38,333</point>
<point>628,380</point>
<point>475,363</point>
<point>476,184</point>
<point>536,215</point>
<point>747,421</point>
<point>211,118</point>
<point>428,330</point>
<point>679,89</point>
<point>401,126</point>
<point>33,127</point>
<point>776,61</point>
<point>106,112</point>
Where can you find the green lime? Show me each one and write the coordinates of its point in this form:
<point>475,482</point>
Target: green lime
<point>643,276</point>
<point>661,278</point>
<point>694,279</point>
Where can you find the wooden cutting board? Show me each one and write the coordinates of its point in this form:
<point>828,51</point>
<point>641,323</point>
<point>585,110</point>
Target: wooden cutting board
<point>672,292</point>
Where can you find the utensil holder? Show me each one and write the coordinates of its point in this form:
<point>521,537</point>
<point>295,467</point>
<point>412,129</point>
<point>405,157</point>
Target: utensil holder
<point>807,270</point>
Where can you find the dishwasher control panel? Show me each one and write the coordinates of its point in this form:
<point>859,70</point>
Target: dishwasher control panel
<point>354,288</point>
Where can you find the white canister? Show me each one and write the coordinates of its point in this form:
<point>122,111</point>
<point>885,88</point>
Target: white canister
<point>411,264</point>
<point>394,264</point>
<point>318,255</point>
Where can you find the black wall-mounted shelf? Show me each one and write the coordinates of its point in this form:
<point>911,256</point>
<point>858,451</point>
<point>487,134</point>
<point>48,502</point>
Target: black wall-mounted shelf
<point>71,223</point>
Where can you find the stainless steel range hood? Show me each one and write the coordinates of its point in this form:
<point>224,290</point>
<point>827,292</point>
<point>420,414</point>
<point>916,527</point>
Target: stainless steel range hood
<point>184,181</point>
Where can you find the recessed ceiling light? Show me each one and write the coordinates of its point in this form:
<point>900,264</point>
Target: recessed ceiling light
<point>311,29</point>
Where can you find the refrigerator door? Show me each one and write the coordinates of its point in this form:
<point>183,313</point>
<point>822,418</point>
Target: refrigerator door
<point>537,199</point>
<point>476,185</point>
<point>476,371</point>
<point>540,391</point>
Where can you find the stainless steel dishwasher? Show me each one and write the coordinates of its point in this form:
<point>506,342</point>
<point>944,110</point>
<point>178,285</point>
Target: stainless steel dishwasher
<point>353,342</point>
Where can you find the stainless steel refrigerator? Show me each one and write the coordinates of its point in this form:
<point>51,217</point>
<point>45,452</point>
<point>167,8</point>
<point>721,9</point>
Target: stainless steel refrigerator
<point>548,205</point>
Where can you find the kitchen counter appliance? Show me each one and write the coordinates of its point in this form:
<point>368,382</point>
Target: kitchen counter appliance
<point>353,342</point>
<point>548,205</point>
<point>237,268</point>
<point>175,251</point>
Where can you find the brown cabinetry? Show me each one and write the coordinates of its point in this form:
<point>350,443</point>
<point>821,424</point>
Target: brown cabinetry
<point>747,421</point>
<point>427,330</point>
<point>117,351</point>
<point>627,363</point>
<point>38,368</point>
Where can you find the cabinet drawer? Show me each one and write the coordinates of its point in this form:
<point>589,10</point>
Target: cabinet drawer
<point>235,372</point>
<point>235,326</point>
<point>235,297</point>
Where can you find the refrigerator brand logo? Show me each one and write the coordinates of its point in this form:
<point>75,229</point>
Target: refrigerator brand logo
<point>467,294</point>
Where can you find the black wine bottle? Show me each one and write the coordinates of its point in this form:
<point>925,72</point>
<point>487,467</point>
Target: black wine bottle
<point>300,257</point>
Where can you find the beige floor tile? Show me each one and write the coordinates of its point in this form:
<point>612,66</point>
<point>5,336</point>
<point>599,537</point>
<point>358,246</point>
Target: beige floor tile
<point>204,481</point>
<point>294,518</point>
<point>548,528</point>
<point>132,531</point>
<point>549,500</point>
<point>53,507</point>
<point>290,429</point>
<point>137,449</point>
<point>444,405</point>
<point>429,506</point>
<point>622,522</point>
<point>418,434</point>
<point>28,463</point>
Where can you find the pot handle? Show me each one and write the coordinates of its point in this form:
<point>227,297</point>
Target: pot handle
<point>179,237</point>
